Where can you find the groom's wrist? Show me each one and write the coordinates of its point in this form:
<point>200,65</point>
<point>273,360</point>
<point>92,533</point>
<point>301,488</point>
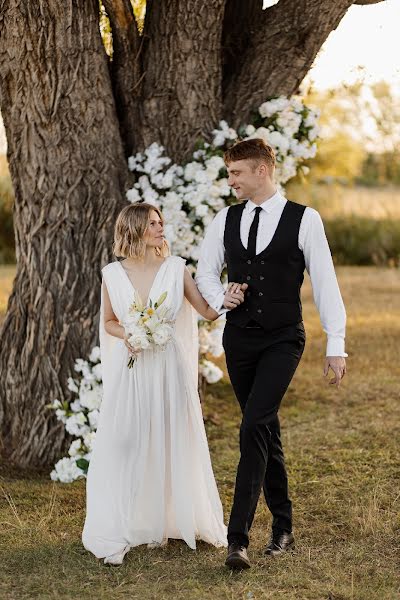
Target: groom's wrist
<point>335,346</point>
<point>219,304</point>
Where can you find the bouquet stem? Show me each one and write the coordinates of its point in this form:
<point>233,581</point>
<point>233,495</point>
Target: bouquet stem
<point>131,362</point>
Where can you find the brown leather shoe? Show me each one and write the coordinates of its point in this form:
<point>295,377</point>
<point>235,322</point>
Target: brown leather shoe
<point>281,541</point>
<point>237,557</point>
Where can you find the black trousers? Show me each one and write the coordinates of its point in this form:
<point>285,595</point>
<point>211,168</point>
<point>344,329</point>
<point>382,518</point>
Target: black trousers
<point>261,365</point>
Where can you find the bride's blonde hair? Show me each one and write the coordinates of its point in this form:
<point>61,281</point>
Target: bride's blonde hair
<point>130,227</point>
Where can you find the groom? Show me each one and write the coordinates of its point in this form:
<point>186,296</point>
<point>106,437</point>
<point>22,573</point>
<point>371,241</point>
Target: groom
<point>266,242</point>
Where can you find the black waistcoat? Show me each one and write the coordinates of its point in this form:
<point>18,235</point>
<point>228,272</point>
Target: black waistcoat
<point>274,276</point>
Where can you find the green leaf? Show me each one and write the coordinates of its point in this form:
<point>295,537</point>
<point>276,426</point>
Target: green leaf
<point>83,464</point>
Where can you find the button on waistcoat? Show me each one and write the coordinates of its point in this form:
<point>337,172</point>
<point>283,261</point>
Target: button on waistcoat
<point>274,276</point>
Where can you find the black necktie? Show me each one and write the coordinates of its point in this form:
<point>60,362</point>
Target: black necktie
<point>251,245</point>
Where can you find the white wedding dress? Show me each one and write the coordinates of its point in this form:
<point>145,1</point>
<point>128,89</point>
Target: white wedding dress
<point>150,476</point>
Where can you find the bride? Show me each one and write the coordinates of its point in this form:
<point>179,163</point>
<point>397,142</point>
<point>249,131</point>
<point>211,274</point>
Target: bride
<point>150,476</point>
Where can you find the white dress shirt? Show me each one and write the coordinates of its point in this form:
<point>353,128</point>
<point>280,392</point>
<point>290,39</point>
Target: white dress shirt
<point>312,242</point>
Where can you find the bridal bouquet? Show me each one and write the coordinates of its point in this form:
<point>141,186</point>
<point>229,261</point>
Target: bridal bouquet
<point>148,326</point>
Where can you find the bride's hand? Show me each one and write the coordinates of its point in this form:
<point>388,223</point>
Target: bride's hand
<point>234,288</point>
<point>131,349</point>
<point>234,295</point>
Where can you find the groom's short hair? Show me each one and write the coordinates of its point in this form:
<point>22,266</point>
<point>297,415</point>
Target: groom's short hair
<point>251,149</point>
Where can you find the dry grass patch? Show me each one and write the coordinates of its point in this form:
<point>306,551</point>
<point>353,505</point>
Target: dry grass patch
<point>342,454</point>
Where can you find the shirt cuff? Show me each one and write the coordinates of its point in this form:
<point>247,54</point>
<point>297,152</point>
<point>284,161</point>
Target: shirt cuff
<point>335,347</point>
<point>218,305</point>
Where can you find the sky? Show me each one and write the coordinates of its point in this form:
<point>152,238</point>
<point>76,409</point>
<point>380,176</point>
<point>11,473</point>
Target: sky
<point>367,37</point>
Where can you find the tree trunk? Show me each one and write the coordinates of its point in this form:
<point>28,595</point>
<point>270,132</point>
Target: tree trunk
<point>67,166</point>
<point>181,92</point>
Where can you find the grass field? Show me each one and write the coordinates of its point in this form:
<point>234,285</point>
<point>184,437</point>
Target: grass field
<point>342,455</point>
<point>337,200</point>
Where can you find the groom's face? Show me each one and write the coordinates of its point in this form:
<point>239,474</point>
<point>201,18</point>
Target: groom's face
<point>246,176</point>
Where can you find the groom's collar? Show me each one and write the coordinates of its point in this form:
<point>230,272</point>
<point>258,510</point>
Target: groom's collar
<point>268,205</point>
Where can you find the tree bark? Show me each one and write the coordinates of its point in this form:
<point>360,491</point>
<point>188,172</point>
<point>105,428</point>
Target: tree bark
<point>181,93</point>
<point>68,170</point>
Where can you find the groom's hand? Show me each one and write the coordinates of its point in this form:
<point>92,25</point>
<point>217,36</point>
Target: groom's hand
<point>234,295</point>
<point>338,366</point>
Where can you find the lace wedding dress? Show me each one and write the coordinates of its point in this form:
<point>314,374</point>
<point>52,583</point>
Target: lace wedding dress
<point>150,476</point>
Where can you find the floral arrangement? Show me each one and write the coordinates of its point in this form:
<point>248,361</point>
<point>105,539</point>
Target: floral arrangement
<point>147,326</point>
<point>189,196</point>
<point>80,417</point>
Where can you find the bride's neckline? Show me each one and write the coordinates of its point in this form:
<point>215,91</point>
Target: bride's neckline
<point>153,282</point>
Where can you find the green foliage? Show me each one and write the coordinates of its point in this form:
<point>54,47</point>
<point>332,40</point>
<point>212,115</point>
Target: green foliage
<point>381,169</point>
<point>339,157</point>
<point>364,241</point>
<point>360,134</point>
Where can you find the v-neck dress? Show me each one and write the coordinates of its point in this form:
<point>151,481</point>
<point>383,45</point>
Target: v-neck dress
<point>150,476</point>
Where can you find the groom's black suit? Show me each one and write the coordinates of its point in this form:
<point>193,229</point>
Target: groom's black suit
<point>263,341</point>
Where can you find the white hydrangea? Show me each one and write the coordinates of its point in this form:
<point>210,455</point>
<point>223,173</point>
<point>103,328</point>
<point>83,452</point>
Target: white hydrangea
<point>75,447</point>
<point>91,398</point>
<point>210,371</point>
<point>88,440</point>
<point>66,470</point>
<point>76,424</point>
<point>71,384</point>
<point>133,195</point>
<point>93,417</point>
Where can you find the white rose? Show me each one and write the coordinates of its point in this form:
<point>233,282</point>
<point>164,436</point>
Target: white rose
<point>162,334</point>
<point>138,338</point>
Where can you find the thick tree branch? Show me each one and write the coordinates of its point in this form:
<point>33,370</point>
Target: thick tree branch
<point>278,53</point>
<point>182,66</point>
<point>365,2</point>
<point>125,69</point>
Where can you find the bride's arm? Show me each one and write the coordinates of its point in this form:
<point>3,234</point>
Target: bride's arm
<point>196,299</point>
<point>111,324</point>
<point>193,295</point>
